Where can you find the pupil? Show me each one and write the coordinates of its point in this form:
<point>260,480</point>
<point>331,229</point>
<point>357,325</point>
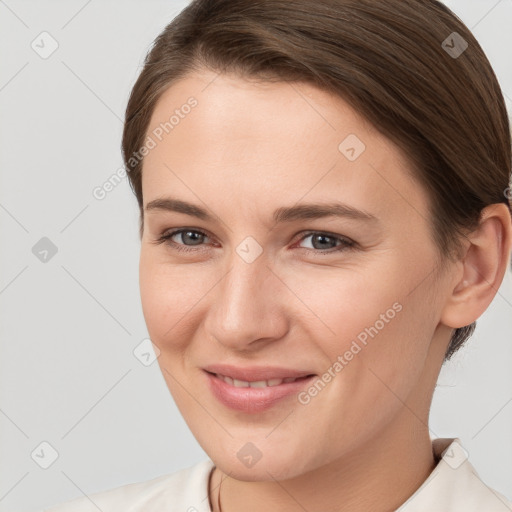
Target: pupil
<point>194,235</point>
<point>322,237</point>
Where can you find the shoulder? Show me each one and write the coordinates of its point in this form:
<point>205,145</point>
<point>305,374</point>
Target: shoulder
<point>454,485</point>
<point>184,490</point>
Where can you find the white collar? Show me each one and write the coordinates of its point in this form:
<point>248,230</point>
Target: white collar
<point>454,485</point>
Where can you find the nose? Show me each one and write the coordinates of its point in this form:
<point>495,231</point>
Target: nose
<point>248,306</point>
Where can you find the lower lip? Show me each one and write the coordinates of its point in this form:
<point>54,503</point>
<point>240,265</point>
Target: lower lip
<point>253,400</point>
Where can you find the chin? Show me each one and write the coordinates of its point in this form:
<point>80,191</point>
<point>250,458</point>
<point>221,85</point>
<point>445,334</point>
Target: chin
<point>277,465</point>
<point>262,471</point>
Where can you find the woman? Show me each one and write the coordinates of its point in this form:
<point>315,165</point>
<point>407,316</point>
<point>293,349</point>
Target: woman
<point>325,212</point>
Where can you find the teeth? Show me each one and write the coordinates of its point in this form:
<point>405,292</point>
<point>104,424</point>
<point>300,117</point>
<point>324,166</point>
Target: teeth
<point>256,384</point>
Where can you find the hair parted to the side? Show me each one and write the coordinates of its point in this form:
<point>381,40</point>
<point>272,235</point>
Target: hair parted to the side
<point>386,59</point>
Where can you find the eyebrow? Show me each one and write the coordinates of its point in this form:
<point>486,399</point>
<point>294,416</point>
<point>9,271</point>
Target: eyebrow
<point>283,214</point>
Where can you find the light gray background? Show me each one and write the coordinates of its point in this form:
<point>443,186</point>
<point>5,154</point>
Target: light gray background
<point>69,326</point>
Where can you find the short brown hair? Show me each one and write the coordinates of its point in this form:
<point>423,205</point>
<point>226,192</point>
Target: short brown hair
<point>401,64</point>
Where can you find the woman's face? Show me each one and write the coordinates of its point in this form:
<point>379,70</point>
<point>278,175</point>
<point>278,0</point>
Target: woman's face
<point>264,280</point>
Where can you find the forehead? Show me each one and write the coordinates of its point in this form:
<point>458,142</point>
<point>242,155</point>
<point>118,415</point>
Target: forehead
<point>220,135</point>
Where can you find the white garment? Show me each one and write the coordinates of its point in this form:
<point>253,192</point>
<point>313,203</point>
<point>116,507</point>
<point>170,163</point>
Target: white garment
<point>453,486</point>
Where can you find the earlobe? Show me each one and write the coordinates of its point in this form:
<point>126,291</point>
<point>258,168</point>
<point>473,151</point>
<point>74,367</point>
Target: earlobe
<point>483,268</point>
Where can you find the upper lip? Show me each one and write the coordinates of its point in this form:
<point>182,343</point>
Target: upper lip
<point>255,373</point>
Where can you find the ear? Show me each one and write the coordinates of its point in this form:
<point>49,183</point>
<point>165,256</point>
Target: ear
<point>482,269</point>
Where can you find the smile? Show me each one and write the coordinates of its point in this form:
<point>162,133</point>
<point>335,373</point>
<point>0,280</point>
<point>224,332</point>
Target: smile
<point>256,384</point>
<point>254,396</point>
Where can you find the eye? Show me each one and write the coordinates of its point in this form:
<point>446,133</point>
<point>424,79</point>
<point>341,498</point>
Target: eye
<point>193,235</point>
<point>322,243</point>
<point>327,243</point>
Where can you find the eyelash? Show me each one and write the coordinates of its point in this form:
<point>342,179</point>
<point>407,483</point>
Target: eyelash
<point>346,243</point>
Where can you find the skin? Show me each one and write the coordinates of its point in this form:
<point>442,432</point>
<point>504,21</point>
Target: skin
<point>246,149</point>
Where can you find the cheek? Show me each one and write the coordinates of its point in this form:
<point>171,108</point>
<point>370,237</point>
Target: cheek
<point>374,330</point>
<point>338,306</point>
<point>374,363</point>
<point>168,296</point>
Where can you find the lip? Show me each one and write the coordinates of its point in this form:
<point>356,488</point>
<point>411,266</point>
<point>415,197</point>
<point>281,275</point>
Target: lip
<point>254,400</point>
<point>255,373</point>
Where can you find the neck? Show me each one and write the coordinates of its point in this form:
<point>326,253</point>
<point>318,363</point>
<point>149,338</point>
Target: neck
<point>380,477</point>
